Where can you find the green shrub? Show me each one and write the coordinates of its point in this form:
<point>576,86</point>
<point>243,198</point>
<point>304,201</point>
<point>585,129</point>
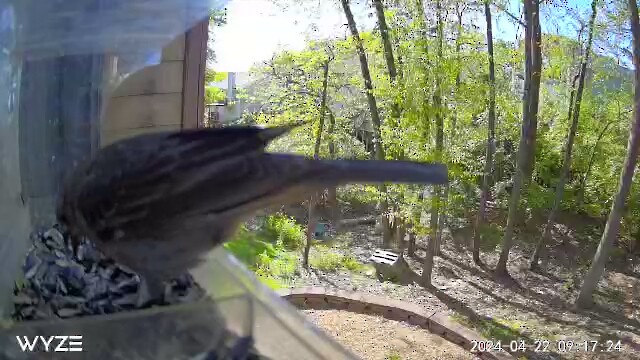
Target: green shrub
<point>490,236</point>
<point>350,263</point>
<point>537,197</point>
<point>272,264</point>
<point>358,194</point>
<point>593,210</point>
<point>326,260</point>
<point>248,247</point>
<point>284,230</point>
<point>283,266</point>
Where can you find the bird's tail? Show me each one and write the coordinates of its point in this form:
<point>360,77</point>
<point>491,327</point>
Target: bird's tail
<point>381,171</point>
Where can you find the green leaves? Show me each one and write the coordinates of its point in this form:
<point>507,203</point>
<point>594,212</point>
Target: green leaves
<point>289,88</point>
<point>213,95</point>
<point>211,75</point>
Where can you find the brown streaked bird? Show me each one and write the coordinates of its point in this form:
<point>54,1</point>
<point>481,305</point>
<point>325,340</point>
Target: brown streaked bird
<point>159,202</point>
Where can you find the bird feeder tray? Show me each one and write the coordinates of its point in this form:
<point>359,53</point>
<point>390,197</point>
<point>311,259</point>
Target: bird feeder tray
<point>238,307</point>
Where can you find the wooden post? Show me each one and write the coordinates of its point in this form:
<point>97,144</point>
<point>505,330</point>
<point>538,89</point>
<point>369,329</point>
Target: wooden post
<point>162,97</point>
<point>195,62</point>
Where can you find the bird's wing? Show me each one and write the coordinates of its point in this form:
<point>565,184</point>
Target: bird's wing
<point>129,179</point>
<point>243,185</point>
<point>265,179</point>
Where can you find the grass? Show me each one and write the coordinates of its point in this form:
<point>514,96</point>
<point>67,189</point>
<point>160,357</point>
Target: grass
<point>328,262</point>
<point>325,259</point>
<point>492,329</point>
<point>267,252</point>
<point>612,295</point>
<point>394,356</point>
<point>507,330</point>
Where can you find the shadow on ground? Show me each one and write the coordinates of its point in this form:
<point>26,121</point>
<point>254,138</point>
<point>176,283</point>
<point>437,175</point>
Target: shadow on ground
<point>527,306</point>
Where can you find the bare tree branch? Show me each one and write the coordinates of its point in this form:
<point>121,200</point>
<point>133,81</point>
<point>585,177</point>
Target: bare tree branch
<point>513,17</point>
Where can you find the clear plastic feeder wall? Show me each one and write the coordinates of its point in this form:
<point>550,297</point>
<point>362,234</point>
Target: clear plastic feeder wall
<point>62,63</point>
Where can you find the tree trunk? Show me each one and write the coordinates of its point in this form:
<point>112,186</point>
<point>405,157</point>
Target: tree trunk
<point>311,223</point>
<point>332,194</point>
<point>312,220</point>
<point>331,131</point>
<point>399,234</point>
<point>388,56</point>
<point>373,109</point>
<point>421,23</point>
<point>427,266</point>
<point>575,114</point>
<point>323,110</point>
<point>395,107</point>
<point>533,52</point>
<point>585,297</point>
<point>386,41</point>
<point>442,219</point>
<point>459,11</point>
<point>411,250</point>
<point>441,196</point>
<point>526,148</point>
<point>514,202</point>
<point>491,132</point>
<point>528,61</point>
<point>366,77</point>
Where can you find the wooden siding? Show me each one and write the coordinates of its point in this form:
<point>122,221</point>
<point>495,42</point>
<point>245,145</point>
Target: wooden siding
<point>166,96</point>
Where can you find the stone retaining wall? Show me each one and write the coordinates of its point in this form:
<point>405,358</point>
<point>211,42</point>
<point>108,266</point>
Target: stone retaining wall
<point>437,322</point>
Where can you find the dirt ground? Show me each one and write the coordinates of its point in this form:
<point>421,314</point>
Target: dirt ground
<point>528,307</point>
<point>377,338</point>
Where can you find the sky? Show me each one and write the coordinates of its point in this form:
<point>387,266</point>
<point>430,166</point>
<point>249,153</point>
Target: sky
<point>256,29</point>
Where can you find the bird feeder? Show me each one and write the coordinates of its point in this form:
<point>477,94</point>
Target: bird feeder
<point>76,75</point>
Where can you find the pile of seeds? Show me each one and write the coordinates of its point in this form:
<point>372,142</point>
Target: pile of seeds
<point>60,284</point>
